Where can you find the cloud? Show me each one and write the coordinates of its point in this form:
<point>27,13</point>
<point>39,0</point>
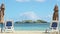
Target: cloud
<point>40,0</point>
<point>29,15</point>
<point>30,0</point>
<point>49,16</point>
<point>22,0</point>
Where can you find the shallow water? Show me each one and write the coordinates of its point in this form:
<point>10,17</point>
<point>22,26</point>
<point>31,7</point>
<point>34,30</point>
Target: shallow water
<point>41,26</point>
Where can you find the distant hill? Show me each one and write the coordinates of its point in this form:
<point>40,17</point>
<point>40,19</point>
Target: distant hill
<point>30,21</point>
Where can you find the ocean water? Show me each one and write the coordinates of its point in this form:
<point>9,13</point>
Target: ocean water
<point>33,27</point>
<point>38,27</point>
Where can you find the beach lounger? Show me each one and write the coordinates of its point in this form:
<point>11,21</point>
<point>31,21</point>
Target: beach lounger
<point>54,27</point>
<point>9,26</point>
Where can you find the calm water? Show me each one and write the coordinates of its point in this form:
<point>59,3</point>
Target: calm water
<point>40,26</point>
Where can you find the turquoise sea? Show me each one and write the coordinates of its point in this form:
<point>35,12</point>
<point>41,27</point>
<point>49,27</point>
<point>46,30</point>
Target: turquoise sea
<point>36,26</point>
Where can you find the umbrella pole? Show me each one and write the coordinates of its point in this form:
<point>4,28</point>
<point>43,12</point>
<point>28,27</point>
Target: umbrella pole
<point>1,27</point>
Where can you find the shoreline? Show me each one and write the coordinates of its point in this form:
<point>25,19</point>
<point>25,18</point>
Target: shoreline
<point>27,32</point>
<point>23,32</point>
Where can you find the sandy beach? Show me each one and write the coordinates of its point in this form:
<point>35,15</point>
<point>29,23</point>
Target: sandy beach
<point>27,32</point>
<point>24,32</point>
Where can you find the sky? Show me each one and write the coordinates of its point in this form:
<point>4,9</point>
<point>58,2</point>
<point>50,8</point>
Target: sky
<point>18,10</point>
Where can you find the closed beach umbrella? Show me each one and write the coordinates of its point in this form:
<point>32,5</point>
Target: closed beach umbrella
<point>2,8</point>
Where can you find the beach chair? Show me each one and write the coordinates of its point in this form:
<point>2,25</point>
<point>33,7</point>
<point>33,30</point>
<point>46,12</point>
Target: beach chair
<point>54,27</point>
<point>9,26</point>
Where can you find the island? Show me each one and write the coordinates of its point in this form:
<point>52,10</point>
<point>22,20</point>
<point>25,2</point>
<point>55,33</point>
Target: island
<point>30,21</point>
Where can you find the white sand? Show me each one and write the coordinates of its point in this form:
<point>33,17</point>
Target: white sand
<point>24,32</point>
<point>27,32</point>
